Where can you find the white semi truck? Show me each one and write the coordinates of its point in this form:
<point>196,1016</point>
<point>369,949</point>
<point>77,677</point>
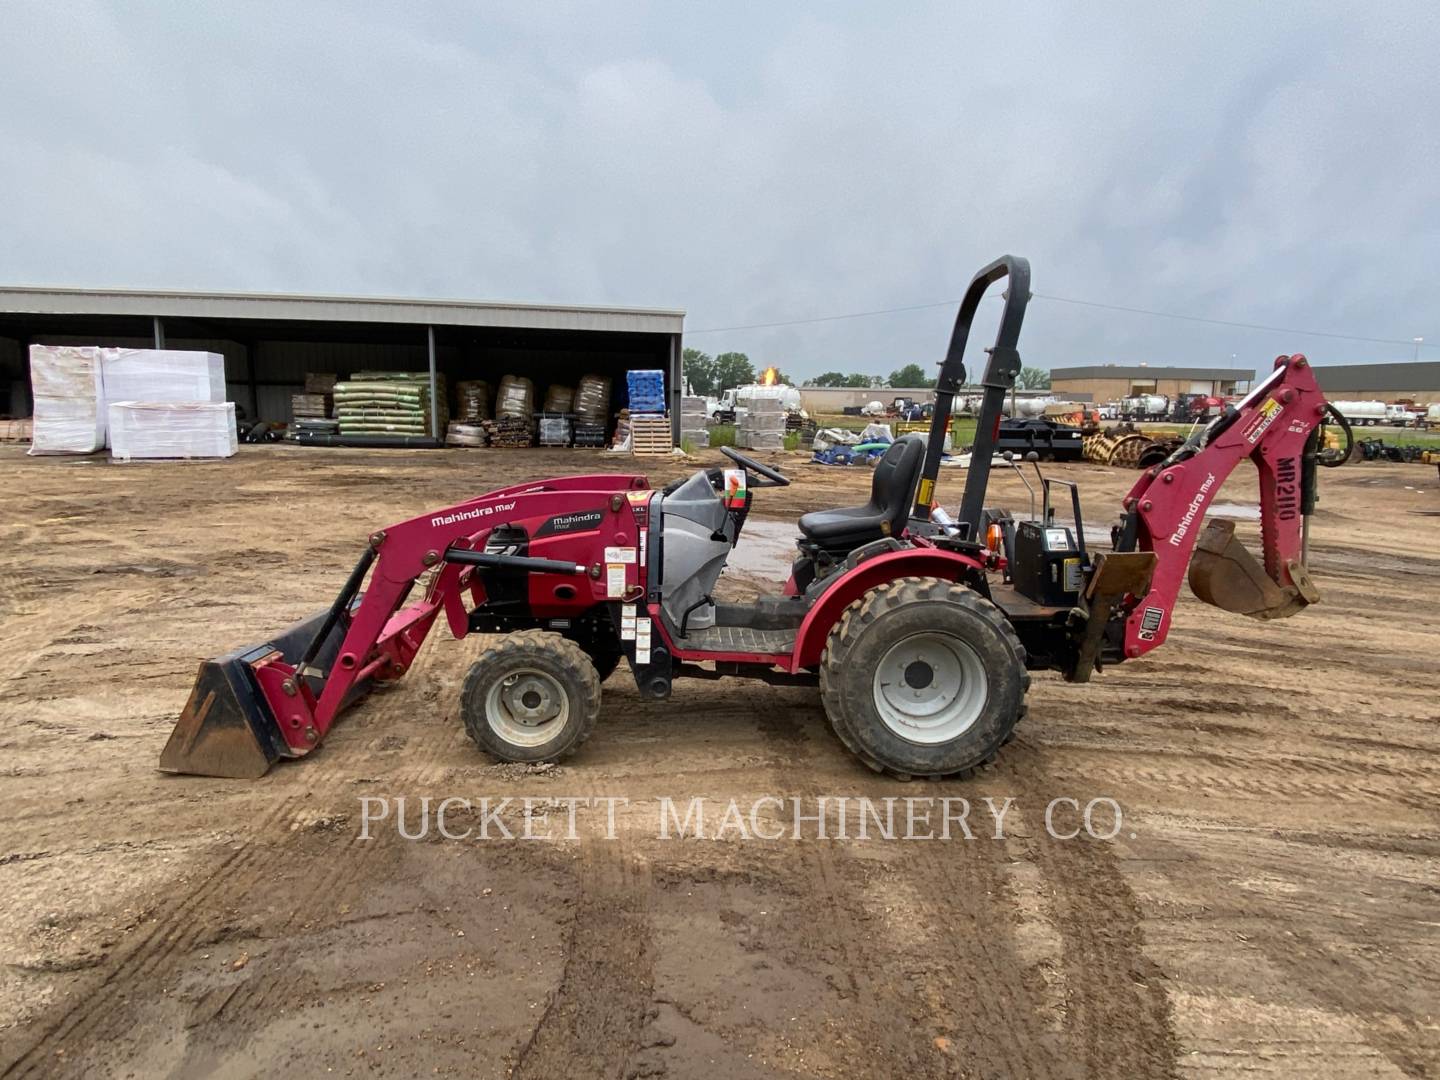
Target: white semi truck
<point>1362,413</point>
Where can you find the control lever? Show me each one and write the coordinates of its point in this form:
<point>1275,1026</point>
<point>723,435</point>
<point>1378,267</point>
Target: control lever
<point>1032,457</point>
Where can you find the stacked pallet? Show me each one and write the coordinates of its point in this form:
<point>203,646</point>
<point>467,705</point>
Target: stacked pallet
<point>15,430</point>
<point>692,421</point>
<point>310,406</point>
<point>511,432</point>
<point>763,426</point>
<point>650,435</point>
<point>388,403</point>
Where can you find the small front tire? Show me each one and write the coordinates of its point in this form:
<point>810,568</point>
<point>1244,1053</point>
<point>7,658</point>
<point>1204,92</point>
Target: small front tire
<point>533,697</point>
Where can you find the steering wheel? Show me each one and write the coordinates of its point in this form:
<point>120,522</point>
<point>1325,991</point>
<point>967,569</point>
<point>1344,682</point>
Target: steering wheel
<point>751,465</point>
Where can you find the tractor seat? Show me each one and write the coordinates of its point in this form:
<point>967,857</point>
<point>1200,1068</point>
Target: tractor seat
<point>891,490</point>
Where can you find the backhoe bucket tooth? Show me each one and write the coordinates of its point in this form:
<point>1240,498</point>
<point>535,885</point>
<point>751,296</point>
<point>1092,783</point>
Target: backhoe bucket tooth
<point>227,728</point>
<point>1224,573</point>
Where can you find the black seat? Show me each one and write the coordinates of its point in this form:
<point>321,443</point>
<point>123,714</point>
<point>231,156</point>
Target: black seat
<point>891,491</point>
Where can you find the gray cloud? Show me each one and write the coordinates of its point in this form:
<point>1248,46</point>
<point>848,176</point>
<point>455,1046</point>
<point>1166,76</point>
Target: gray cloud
<point>1272,163</point>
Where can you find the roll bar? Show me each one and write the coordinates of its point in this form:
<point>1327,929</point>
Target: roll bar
<point>1000,373</point>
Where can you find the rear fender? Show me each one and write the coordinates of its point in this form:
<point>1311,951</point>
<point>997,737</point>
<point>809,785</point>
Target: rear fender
<point>874,572</point>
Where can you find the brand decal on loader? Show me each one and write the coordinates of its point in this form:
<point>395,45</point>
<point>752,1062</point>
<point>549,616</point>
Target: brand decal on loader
<point>1150,620</point>
<point>1268,414</point>
<point>471,515</point>
<point>1178,537</point>
<point>1287,489</point>
<point>577,522</point>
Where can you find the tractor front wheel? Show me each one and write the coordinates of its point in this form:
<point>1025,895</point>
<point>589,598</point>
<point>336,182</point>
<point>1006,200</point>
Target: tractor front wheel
<point>923,677</point>
<point>533,697</point>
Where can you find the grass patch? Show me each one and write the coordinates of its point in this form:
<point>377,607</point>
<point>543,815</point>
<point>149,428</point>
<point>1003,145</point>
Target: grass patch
<point>792,440</point>
<point>722,435</point>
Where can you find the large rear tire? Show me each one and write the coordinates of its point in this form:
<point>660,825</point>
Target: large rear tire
<point>533,697</point>
<point>923,677</point>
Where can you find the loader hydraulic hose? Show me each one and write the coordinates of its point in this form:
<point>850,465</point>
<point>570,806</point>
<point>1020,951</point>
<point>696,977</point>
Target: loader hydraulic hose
<point>337,609</point>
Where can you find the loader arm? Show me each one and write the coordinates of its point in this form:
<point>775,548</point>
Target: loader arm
<point>1275,427</point>
<point>279,698</point>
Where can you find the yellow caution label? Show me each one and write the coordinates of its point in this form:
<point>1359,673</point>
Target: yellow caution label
<point>927,489</point>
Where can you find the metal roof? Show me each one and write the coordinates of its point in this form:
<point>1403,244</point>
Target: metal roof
<point>171,303</point>
<point>1141,371</point>
<point>1424,375</point>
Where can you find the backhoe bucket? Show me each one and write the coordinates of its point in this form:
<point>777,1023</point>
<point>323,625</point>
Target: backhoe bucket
<point>1224,573</point>
<point>227,728</point>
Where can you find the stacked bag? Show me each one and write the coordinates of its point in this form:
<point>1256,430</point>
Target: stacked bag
<point>592,411</point>
<point>647,392</point>
<point>514,413</point>
<point>389,403</point>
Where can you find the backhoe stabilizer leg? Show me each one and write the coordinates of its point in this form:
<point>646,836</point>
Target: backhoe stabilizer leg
<point>1225,574</point>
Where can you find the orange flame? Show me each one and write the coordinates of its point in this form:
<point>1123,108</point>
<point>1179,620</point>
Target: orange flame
<point>770,377</point>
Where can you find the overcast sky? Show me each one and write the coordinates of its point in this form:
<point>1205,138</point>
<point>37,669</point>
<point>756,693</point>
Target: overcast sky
<point>1264,163</point>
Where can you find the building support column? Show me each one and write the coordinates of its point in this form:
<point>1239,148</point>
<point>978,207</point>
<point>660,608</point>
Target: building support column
<point>159,328</point>
<point>434,396</point>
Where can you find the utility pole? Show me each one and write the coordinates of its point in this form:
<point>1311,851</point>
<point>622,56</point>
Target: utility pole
<point>1418,342</point>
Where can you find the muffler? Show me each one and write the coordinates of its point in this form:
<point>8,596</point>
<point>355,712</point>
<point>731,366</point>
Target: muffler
<point>1225,574</point>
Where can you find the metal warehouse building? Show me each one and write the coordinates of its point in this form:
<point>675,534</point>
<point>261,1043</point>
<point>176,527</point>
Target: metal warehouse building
<point>270,342</point>
<point>1419,382</point>
<point>1110,382</point>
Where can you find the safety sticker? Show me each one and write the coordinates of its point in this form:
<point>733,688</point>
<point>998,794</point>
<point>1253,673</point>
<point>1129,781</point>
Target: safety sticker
<point>927,490</point>
<point>614,580</point>
<point>1150,620</point>
<point>642,656</point>
<point>1268,414</point>
<point>644,543</point>
<point>627,629</point>
<point>620,554</point>
<point>642,634</point>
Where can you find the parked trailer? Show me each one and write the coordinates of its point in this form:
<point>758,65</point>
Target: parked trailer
<point>1432,416</point>
<point>1368,413</point>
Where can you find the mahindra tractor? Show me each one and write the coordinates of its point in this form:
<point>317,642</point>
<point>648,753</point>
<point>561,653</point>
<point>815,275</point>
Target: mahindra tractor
<point>918,625</point>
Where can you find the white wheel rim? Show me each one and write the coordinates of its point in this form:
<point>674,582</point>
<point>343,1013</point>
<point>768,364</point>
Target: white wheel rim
<point>526,707</point>
<point>930,687</point>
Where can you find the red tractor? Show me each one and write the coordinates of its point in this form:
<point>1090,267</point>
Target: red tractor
<point>919,628</point>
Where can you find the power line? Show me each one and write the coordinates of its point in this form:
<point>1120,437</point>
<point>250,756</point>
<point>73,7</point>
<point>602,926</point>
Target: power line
<point>1079,303</point>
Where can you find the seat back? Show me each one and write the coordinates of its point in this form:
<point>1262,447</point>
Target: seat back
<point>893,486</point>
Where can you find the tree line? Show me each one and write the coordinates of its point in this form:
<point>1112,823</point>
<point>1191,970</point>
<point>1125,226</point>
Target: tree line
<point>712,375</point>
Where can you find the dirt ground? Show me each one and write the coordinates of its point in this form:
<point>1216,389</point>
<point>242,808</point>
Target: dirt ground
<point>1271,904</point>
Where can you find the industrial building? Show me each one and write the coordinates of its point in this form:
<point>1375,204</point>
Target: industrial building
<point>1418,382</point>
<point>270,342</point>
<point>836,399</point>
<point>1110,382</point>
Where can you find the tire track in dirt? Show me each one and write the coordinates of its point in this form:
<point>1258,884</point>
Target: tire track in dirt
<point>967,977</point>
<point>593,1021</point>
<point>98,1013</point>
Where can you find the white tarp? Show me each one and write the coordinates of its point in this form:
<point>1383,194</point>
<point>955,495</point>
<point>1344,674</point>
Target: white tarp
<point>69,397</point>
<point>190,429</point>
<point>163,375</point>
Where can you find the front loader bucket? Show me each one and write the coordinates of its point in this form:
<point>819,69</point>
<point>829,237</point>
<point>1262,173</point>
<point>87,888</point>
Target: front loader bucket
<point>227,728</point>
<point>1224,573</point>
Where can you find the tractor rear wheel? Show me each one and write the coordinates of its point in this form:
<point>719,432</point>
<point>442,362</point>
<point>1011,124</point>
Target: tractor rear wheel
<point>535,696</point>
<point>923,677</point>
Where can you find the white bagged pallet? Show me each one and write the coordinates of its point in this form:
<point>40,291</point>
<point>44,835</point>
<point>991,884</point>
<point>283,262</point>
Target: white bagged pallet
<point>162,375</point>
<point>69,399</point>
<point>175,429</point>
